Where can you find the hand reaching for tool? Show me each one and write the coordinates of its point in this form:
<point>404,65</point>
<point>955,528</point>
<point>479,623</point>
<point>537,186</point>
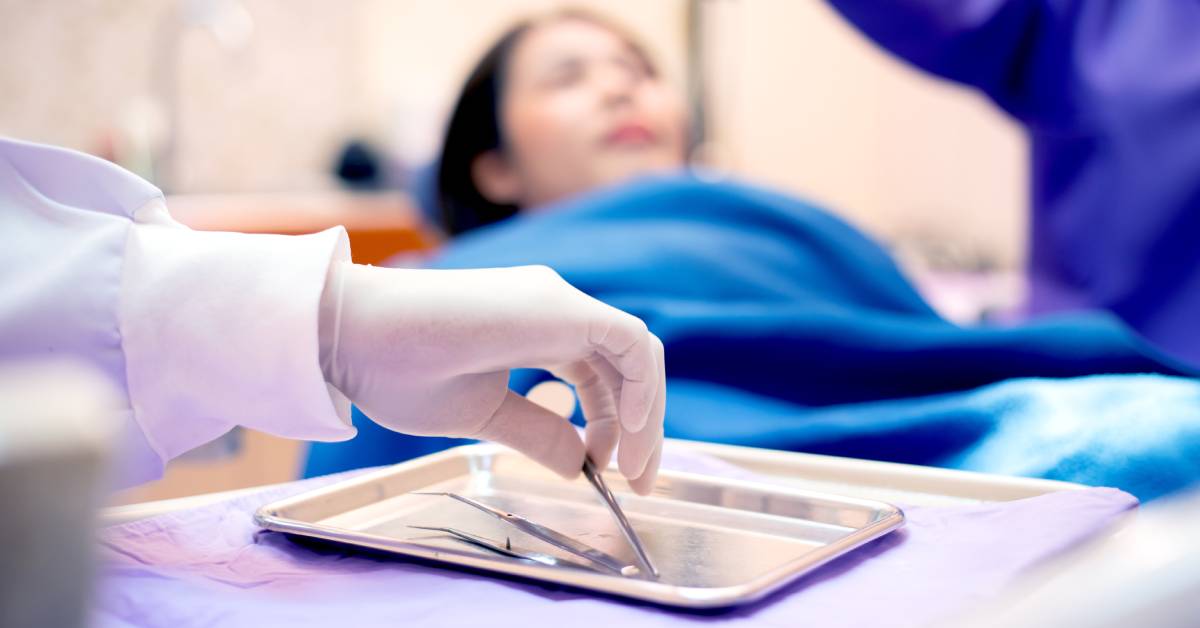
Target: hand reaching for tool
<point>428,352</point>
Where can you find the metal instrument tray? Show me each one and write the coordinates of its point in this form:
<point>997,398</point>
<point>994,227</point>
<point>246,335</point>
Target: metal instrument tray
<point>717,542</point>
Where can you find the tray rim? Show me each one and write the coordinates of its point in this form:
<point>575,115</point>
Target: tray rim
<point>267,516</point>
<point>913,485</point>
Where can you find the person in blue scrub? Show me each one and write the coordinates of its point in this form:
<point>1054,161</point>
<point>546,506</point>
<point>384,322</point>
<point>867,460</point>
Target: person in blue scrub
<point>1109,92</point>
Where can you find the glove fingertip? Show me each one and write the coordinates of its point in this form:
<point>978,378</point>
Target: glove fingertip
<point>644,484</point>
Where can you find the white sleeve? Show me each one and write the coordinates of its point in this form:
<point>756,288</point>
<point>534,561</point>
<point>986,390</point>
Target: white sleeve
<point>200,331</point>
<point>221,330</point>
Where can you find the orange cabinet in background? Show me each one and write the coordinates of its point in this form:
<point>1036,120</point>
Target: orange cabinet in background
<point>380,225</point>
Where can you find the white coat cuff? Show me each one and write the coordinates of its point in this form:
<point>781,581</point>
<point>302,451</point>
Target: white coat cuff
<point>220,329</point>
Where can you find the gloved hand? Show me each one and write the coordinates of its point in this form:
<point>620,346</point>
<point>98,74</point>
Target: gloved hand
<point>428,352</point>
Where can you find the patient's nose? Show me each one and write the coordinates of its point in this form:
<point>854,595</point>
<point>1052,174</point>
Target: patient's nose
<point>617,83</point>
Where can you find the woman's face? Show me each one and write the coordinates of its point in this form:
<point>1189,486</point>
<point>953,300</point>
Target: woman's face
<point>581,108</point>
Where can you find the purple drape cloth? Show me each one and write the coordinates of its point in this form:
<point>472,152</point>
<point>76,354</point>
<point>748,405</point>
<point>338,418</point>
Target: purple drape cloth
<point>211,566</point>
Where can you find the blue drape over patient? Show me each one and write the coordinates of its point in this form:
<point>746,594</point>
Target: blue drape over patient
<point>784,327</point>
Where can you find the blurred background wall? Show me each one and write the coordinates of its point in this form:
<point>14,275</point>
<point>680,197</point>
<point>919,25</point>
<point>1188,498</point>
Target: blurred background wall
<point>267,91</point>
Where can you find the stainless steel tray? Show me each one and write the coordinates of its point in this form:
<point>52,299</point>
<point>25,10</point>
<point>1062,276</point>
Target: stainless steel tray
<point>717,542</point>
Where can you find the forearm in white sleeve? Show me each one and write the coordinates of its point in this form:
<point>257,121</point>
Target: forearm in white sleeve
<point>221,330</point>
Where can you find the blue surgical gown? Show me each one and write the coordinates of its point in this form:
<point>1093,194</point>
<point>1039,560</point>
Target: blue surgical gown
<point>1109,92</point>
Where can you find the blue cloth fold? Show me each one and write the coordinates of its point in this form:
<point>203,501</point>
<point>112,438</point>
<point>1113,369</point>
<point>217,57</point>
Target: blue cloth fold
<point>787,328</point>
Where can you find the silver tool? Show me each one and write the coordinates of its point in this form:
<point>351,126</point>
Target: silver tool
<point>506,549</point>
<point>551,536</point>
<point>597,481</point>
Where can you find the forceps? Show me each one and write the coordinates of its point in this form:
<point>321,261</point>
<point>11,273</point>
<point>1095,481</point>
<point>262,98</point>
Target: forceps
<point>504,550</point>
<point>597,482</point>
<point>551,536</point>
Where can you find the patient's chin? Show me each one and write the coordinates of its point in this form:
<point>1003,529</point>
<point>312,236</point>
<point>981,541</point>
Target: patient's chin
<point>610,174</point>
<point>636,168</point>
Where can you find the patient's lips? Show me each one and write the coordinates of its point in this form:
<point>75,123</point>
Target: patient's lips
<point>630,134</point>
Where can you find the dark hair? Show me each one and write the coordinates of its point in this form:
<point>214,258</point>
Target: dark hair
<point>474,128</point>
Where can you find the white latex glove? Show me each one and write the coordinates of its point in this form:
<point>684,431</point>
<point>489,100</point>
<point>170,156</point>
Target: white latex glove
<point>428,352</point>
